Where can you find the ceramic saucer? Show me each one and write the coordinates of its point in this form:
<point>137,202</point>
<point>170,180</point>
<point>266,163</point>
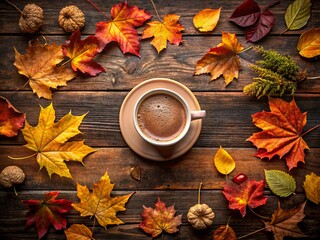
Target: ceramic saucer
<point>133,139</point>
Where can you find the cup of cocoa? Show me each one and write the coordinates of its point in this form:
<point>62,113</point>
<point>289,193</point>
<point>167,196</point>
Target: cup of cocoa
<point>162,117</point>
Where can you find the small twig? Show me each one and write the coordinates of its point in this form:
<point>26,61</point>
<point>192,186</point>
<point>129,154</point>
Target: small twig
<point>21,158</point>
<point>154,6</point>
<point>96,7</point>
<point>313,78</point>
<point>14,6</point>
<point>244,236</point>
<point>258,215</point>
<point>311,129</point>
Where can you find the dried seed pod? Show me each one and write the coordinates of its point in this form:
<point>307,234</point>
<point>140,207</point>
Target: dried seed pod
<point>200,216</point>
<point>11,175</point>
<point>31,18</point>
<point>71,18</point>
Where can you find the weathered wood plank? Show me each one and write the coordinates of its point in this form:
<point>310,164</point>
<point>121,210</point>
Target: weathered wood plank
<point>168,175</point>
<point>228,121</point>
<point>9,17</point>
<point>123,72</point>
<point>13,220</point>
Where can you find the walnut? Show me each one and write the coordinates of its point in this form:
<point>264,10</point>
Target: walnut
<point>31,18</point>
<point>11,175</point>
<point>71,18</point>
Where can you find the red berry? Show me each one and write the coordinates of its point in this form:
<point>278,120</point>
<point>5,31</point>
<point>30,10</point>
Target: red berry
<point>239,178</point>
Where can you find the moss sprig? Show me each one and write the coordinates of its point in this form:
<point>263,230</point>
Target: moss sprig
<point>277,74</point>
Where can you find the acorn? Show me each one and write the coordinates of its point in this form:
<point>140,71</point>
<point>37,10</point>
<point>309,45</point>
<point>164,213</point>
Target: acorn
<point>11,176</point>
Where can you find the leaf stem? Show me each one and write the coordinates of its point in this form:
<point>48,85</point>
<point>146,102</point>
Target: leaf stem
<point>15,191</point>
<point>311,129</point>
<point>69,60</point>
<point>21,158</point>
<point>14,6</point>
<point>199,193</point>
<point>22,86</point>
<point>99,10</point>
<point>263,8</point>
<point>229,220</point>
<point>246,49</point>
<point>154,6</point>
<point>244,236</point>
<point>258,215</point>
<point>94,224</point>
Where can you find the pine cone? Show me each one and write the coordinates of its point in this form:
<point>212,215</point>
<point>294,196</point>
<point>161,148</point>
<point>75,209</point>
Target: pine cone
<point>71,18</point>
<point>31,18</point>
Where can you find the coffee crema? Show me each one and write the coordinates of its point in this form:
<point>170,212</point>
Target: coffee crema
<point>161,117</point>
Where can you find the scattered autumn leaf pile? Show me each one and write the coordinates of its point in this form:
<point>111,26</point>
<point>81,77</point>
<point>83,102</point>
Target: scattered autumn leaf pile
<point>49,66</point>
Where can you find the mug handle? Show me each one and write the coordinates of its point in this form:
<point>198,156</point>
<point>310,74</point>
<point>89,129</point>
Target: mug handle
<point>198,114</point>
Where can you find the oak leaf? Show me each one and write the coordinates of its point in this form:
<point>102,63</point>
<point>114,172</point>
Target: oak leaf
<point>309,43</point>
<point>11,120</point>
<point>223,161</point>
<point>207,19</point>
<point>169,29</point>
<point>311,186</point>
<point>78,232</point>
<point>47,211</point>
<point>281,133</point>
<point>224,232</point>
<point>122,28</point>
<point>250,193</point>
<point>284,222</point>
<point>99,203</point>
<point>82,52</point>
<point>49,141</point>
<point>222,60</point>
<point>40,66</point>
<point>160,219</point>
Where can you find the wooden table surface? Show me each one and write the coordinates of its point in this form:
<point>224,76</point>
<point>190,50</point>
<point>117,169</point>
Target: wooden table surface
<point>228,123</point>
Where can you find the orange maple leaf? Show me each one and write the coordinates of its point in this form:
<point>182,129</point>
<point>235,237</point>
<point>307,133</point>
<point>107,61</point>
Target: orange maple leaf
<point>282,132</point>
<point>11,120</point>
<point>169,29</point>
<point>222,60</point>
<point>39,65</point>
<point>121,28</point>
<point>81,53</point>
<point>284,222</point>
<point>248,193</point>
<point>160,219</point>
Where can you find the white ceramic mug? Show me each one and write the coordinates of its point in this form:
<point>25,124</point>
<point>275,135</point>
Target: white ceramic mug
<point>162,111</point>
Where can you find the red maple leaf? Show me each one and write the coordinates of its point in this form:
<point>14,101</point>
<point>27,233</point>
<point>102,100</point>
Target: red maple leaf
<point>122,28</point>
<point>46,211</point>
<point>250,193</point>
<point>82,52</point>
<point>282,132</point>
<point>11,120</point>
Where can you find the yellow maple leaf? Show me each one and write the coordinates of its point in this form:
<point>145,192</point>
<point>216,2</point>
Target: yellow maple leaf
<point>99,203</point>
<point>223,161</point>
<point>222,60</point>
<point>312,187</point>
<point>169,29</point>
<point>49,140</point>
<point>39,65</point>
<point>207,19</point>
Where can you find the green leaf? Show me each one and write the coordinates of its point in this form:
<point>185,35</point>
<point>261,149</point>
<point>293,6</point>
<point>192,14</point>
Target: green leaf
<point>280,183</point>
<point>297,14</point>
